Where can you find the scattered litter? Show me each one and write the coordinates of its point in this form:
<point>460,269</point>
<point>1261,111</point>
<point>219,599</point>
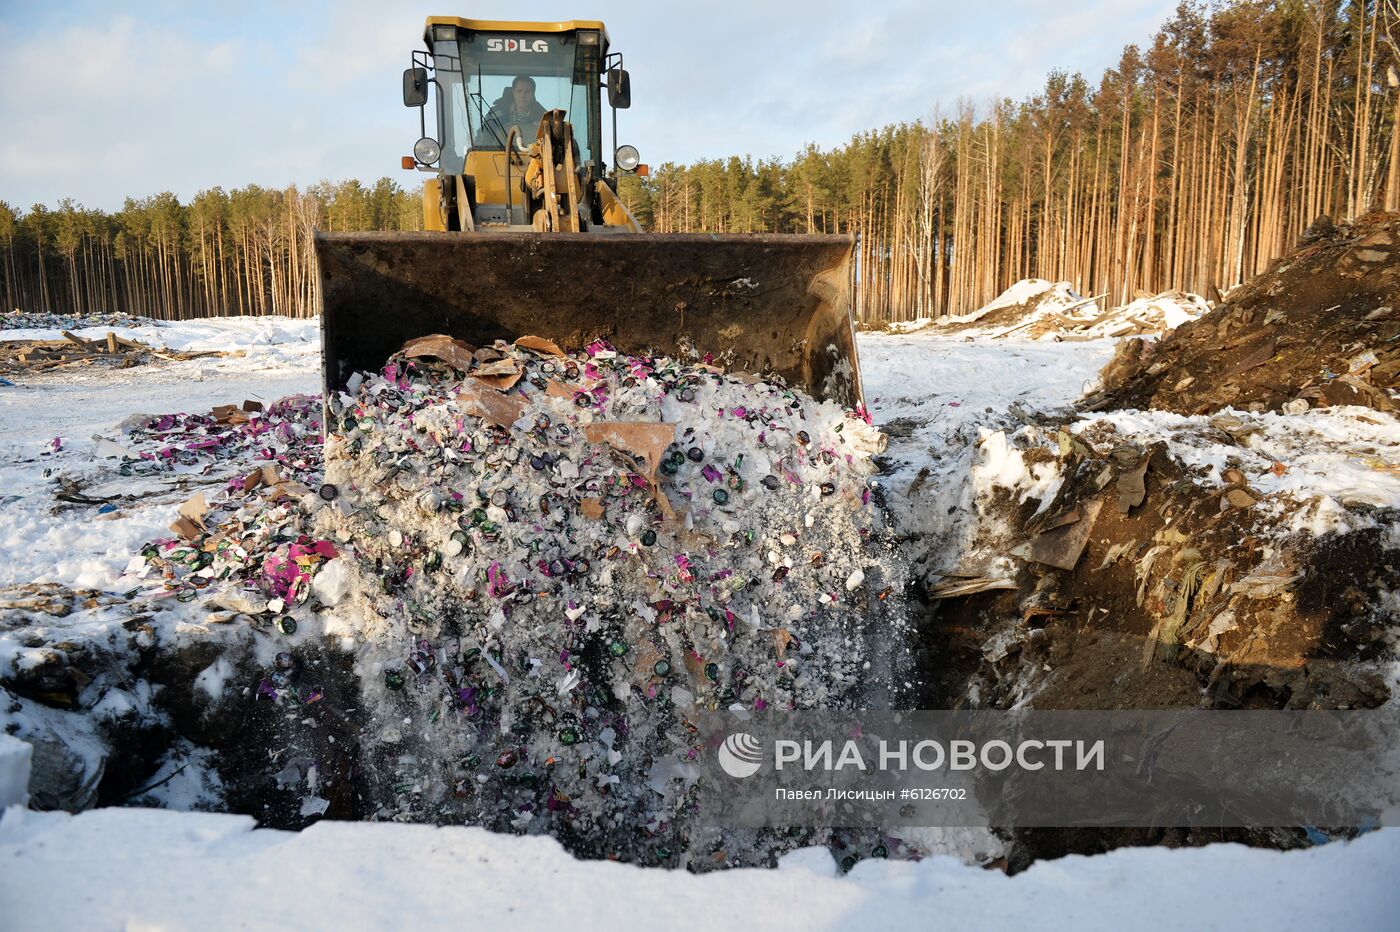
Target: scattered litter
<point>952,588</point>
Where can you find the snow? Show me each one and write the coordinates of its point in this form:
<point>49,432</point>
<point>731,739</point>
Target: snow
<point>1055,311</point>
<point>85,549</point>
<point>953,382</point>
<point>1322,458</point>
<point>939,397</point>
<point>213,679</point>
<point>252,342</point>
<point>15,757</point>
<point>186,781</point>
<point>1047,294</point>
<point>188,870</point>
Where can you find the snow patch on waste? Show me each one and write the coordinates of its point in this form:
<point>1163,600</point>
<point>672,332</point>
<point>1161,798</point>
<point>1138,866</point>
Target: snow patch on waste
<point>1331,460</point>
<point>15,757</point>
<point>1044,310</point>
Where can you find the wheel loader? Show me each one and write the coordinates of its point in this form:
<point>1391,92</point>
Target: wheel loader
<point>524,232</point>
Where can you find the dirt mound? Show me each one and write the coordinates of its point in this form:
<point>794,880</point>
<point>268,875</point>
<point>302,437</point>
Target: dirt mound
<point>1319,328</point>
<point>1118,568</point>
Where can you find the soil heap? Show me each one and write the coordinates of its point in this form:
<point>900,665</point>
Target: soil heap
<point>1320,328</point>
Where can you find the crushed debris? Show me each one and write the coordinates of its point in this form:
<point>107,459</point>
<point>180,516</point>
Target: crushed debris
<point>24,320</point>
<point>1217,580</point>
<point>557,564</point>
<point>545,571</point>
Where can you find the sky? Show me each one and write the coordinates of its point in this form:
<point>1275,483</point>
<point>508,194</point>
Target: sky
<point>103,101</point>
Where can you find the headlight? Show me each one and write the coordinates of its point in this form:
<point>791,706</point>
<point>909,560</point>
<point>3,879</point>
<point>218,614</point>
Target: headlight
<point>628,158</point>
<point>427,150</point>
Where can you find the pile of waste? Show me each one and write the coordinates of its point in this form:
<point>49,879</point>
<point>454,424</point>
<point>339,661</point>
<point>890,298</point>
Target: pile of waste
<point>1146,314</point>
<point>1320,328</point>
<point>23,320</point>
<point>521,575</point>
<point>559,558</point>
<point>1037,309</point>
<point>249,534</point>
<point>27,357</point>
<point>285,436</point>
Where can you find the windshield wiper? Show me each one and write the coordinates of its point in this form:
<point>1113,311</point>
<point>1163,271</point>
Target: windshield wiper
<point>487,114</point>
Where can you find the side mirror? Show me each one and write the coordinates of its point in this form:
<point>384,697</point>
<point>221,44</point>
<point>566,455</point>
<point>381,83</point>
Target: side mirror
<point>619,89</point>
<point>415,87</point>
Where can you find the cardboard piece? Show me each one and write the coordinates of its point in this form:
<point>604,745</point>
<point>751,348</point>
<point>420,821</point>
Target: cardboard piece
<point>195,508</point>
<point>781,639</point>
<point>454,352</point>
<point>229,414</point>
<point>1062,547</point>
<point>642,443</point>
<point>539,345</point>
<point>500,375</point>
<point>644,440</point>
<point>190,525</point>
<point>479,399</point>
<point>187,529</point>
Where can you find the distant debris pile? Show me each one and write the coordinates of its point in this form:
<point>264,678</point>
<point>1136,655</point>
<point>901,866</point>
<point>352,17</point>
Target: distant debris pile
<point>1037,309</point>
<point>21,320</point>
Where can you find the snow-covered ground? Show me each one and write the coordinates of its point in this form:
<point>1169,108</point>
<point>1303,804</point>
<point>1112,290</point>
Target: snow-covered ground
<point>147,869</point>
<point>939,396</point>
<point>1055,311</point>
<point>252,342</point>
<point>279,357</point>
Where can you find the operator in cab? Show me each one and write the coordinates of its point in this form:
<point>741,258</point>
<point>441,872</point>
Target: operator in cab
<point>517,107</point>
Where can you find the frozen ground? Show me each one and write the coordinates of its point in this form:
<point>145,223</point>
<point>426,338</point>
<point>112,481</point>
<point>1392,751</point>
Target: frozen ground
<point>939,397</point>
<point>255,342</point>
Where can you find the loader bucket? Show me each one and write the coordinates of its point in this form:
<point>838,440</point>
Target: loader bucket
<point>759,303</point>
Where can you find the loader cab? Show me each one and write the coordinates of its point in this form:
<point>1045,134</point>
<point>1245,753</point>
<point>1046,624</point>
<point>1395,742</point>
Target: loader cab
<point>474,68</point>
